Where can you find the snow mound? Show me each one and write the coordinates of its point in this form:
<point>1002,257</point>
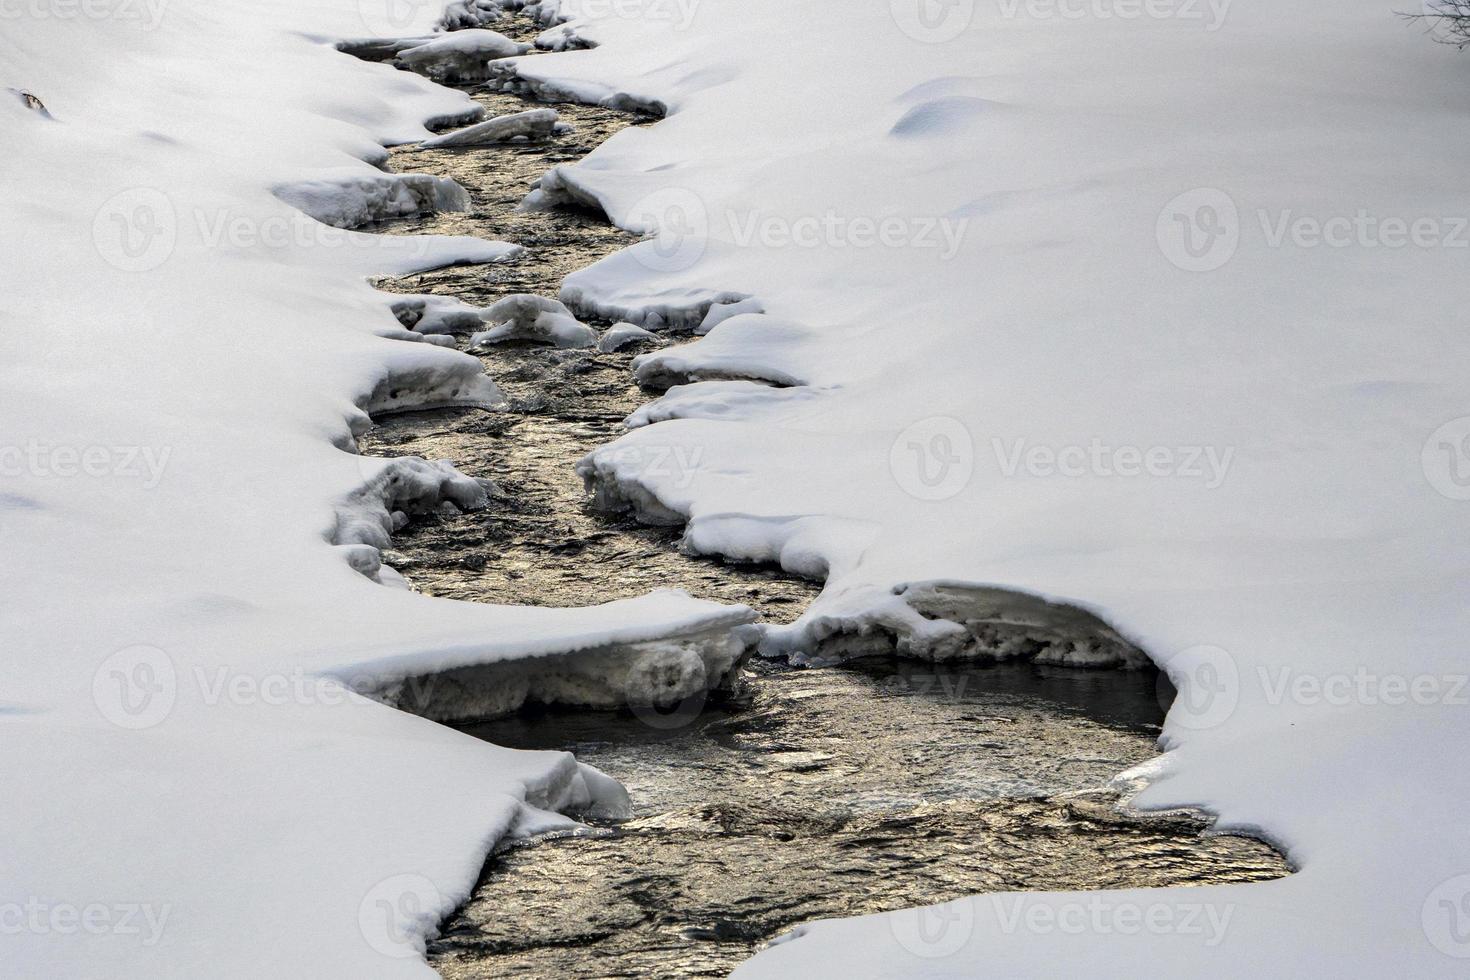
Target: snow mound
<point>942,116</point>
<point>621,335</point>
<point>563,37</point>
<point>656,676</point>
<point>460,56</point>
<point>436,379</point>
<point>467,14</point>
<point>405,485</point>
<point>533,124</point>
<point>437,315</point>
<point>506,77</point>
<point>524,316</point>
<point>352,200</point>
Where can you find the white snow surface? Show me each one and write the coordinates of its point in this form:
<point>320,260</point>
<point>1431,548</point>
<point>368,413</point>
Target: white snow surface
<point>190,790</point>
<point>1031,289</point>
<point>1253,449</point>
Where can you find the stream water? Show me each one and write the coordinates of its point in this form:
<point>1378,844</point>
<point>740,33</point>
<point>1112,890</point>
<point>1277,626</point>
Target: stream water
<point>816,793</point>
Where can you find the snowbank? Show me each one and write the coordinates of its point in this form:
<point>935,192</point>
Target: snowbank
<point>1138,330</point>
<point>199,780</point>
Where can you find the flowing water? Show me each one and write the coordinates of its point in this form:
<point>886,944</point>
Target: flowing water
<point>815,792</point>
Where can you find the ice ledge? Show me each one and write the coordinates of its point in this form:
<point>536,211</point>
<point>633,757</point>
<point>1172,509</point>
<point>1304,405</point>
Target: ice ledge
<point>657,676</point>
<point>942,621</point>
<point>933,621</point>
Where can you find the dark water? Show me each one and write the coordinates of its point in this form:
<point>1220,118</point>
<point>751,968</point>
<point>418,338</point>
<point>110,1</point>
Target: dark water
<point>816,793</point>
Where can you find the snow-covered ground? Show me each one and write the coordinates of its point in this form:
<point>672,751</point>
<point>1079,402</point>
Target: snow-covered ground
<point>191,788</point>
<point>1151,310</point>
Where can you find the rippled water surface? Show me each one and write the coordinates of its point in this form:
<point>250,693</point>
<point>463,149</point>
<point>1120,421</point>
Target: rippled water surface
<point>831,792</point>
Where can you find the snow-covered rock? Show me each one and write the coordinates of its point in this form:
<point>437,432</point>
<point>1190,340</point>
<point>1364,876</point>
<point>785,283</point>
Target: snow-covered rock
<point>461,15</point>
<point>30,101</point>
<point>437,315</point>
<point>354,199</point>
<point>533,318</point>
<point>533,124</point>
<point>460,56</point>
<point>621,335</point>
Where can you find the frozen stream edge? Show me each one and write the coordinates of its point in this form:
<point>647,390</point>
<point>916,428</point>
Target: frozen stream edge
<point>925,621</point>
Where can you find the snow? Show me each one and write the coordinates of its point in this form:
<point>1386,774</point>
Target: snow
<point>532,124</point>
<point>621,335</point>
<point>1119,308</point>
<point>194,784</point>
<point>353,199</point>
<point>522,316</point>
<point>461,56</point>
<point>1020,269</point>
